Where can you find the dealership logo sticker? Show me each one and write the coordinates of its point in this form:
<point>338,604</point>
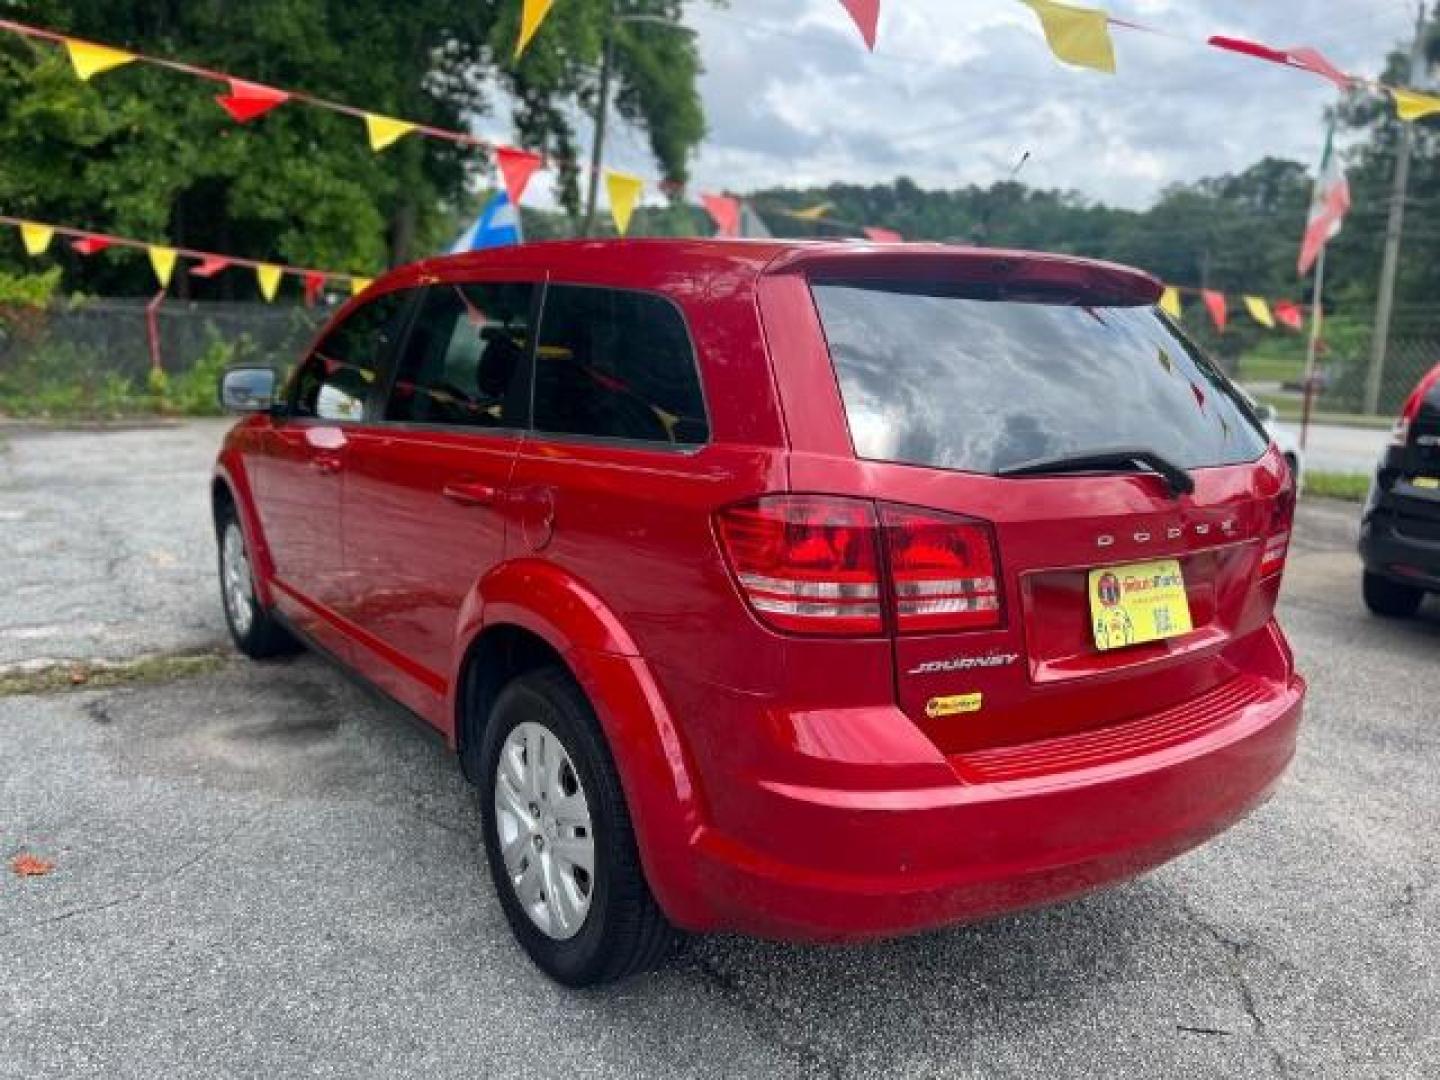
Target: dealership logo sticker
<point>954,705</point>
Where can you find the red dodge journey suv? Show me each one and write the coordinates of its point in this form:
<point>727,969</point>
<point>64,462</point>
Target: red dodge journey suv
<point>815,591</point>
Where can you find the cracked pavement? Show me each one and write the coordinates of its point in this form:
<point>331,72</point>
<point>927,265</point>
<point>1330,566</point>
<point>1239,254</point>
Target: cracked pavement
<point>265,871</point>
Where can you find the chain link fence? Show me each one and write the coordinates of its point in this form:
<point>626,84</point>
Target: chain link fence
<point>119,356</point>
<point>107,357</point>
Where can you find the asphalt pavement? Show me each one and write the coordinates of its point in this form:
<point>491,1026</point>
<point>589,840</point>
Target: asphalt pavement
<point>263,871</point>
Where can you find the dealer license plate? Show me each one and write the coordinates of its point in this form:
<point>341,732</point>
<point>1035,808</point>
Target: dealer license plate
<point>1130,605</point>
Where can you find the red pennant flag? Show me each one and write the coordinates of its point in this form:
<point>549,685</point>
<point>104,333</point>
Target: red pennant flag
<point>248,101</point>
<point>91,245</point>
<point>1302,57</point>
<point>314,286</point>
<point>1290,315</point>
<point>212,265</point>
<point>516,169</point>
<point>883,236</point>
<point>1215,301</point>
<point>866,14</point>
<point>1311,60</point>
<point>725,211</point>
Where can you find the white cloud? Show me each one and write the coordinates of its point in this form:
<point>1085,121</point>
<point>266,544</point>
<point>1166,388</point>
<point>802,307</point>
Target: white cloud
<point>959,89</point>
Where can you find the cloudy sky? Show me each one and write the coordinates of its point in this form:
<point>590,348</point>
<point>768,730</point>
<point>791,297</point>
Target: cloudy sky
<point>959,90</point>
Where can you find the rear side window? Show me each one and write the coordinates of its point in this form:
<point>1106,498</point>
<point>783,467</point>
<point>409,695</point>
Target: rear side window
<point>464,361</point>
<point>617,365</point>
<point>335,380</point>
<point>933,377</point>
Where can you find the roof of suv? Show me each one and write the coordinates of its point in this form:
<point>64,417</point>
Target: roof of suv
<point>1080,279</point>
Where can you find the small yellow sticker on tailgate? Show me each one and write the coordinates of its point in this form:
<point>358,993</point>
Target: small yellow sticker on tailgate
<point>1130,605</point>
<point>1431,483</point>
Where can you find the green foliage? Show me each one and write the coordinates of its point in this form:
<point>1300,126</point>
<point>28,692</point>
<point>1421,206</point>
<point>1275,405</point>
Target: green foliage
<point>27,290</point>
<point>1352,487</point>
<point>147,153</point>
<point>67,380</point>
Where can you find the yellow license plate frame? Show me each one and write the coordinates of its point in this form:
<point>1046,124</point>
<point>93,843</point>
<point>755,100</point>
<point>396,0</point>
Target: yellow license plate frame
<point>1138,603</point>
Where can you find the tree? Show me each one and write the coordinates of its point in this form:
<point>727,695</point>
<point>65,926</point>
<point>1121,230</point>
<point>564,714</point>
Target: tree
<point>147,153</point>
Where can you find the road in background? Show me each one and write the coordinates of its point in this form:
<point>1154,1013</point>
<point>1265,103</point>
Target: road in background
<point>262,871</point>
<point>1334,448</point>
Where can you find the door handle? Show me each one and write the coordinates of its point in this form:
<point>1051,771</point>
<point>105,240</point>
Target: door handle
<point>470,493</point>
<point>327,464</point>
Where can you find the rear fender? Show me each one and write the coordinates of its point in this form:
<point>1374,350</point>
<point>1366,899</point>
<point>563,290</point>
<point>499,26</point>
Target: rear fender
<point>658,777</point>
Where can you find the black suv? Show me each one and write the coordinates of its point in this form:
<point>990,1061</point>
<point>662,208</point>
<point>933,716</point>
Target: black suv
<point>1400,533</point>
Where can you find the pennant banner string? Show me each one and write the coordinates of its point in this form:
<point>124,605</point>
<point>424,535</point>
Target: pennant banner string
<point>91,242</point>
<point>246,100</point>
<point>1080,36</point>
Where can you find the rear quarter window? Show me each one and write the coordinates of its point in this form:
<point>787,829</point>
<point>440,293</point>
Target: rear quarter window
<point>617,364</point>
<point>931,376</point>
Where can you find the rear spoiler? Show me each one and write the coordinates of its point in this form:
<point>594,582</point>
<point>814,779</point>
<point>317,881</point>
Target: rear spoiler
<point>1082,280</point>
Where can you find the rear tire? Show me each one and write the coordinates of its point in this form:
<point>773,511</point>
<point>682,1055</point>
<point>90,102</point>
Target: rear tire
<point>254,630</point>
<point>622,931</point>
<point>1391,599</point>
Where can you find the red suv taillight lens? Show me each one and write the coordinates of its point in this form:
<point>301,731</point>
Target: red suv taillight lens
<point>944,572</point>
<point>1412,406</point>
<point>811,564</point>
<point>1277,537</point>
<point>807,563</point>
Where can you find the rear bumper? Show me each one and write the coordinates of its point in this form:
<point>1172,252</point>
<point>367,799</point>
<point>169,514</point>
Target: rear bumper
<point>1400,539</point>
<point>893,862</point>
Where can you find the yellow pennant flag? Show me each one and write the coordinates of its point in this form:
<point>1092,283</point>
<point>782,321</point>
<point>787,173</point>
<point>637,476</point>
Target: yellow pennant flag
<point>1077,35</point>
<point>531,16</point>
<point>384,130</point>
<point>360,284</point>
<point>37,238</point>
<point>90,60</point>
<point>624,192</point>
<point>1170,302</point>
<point>162,261</point>
<point>269,278</point>
<point>1410,105</point>
<point>1260,311</point>
<point>814,213</point>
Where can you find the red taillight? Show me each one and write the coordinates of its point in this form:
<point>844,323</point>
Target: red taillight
<point>1277,536</point>
<point>811,564</point>
<point>943,571</point>
<point>1412,405</point>
<point>807,563</point>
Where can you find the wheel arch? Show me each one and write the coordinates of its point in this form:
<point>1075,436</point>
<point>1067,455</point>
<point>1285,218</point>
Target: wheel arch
<point>533,615</point>
<point>231,487</point>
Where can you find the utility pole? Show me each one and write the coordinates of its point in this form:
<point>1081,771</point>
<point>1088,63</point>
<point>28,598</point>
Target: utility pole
<point>602,112</point>
<point>1385,303</point>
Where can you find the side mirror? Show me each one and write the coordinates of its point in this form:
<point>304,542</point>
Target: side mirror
<point>249,389</point>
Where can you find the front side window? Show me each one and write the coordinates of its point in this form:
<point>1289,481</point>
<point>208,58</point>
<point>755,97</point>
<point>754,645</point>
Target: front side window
<point>335,380</point>
<point>932,374</point>
<point>617,365</point>
<point>464,362</point>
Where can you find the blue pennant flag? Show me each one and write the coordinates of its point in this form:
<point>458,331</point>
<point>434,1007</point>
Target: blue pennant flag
<point>497,226</point>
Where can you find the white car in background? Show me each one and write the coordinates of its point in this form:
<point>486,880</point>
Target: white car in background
<point>1285,439</point>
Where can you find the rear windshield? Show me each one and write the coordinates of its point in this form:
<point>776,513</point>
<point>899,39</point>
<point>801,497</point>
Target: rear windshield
<point>931,377</point>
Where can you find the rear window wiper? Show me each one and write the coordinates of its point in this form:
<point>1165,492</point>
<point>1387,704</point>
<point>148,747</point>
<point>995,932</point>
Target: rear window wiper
<point>1115,459</point>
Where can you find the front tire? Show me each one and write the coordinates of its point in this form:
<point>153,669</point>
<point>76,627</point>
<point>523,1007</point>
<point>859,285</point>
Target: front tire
<point>1391,599</point>
<point>254,630</point>
<point>558,837</point>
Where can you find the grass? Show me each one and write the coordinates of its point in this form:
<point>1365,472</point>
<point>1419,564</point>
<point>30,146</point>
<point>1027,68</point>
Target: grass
<point>104,675</point>
<point>1291,409</point>
<point>1279,369</point>
<point>1351,487</point>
